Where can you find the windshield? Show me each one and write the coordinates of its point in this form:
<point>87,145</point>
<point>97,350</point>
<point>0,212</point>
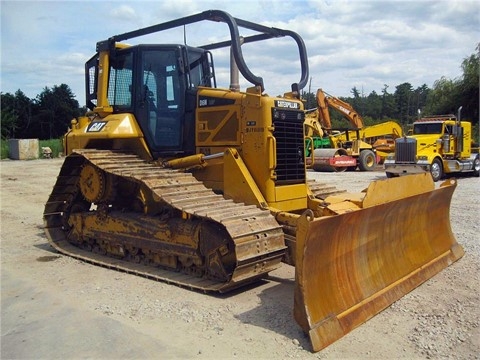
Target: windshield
<point>120,82</point>
<point>427,128</point>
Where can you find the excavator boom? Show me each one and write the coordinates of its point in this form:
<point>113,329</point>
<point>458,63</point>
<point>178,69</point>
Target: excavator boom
<point>326,101</point>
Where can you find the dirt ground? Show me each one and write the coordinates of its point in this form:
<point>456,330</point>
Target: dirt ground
<point>56,307</point>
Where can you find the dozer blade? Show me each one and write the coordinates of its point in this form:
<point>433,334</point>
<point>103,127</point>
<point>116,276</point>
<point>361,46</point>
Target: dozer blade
<point>351,266</point>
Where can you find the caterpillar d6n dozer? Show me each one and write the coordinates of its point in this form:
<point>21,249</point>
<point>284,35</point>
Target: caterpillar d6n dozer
<point>169,177</point>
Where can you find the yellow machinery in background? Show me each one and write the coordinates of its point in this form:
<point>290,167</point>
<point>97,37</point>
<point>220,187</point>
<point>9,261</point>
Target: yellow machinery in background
<point>170,177</point>
<point>330,149</point>
<point>440,145</point>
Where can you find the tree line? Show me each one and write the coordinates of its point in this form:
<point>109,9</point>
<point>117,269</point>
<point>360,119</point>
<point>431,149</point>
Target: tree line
<point>49,114</point>
<point>405,104</point>
<point>45,117</point>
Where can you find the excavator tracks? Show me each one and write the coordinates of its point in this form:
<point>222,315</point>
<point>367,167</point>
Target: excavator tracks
<point>256,243</point>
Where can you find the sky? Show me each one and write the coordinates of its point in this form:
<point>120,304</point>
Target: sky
<point>362,44</point>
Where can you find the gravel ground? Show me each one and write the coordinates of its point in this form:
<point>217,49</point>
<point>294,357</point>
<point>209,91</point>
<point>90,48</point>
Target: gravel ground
<point>53,306</point>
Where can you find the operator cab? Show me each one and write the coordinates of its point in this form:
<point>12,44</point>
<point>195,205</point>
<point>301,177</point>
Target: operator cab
<point>158,85</point>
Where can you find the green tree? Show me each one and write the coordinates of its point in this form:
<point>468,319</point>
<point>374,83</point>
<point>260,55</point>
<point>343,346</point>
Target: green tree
<point>403,102</point>
<point>9,123</point>
<point>356,101</point>
<point>468,87</point>
<point>355,93</point>
<point>442,99</point>
<point>16,114</point>
<point>448,95</point>
<point>56,107</point>
<point>420,97</point>
<point>46,117</point>
<point>310,100</point>
<point>23,107</point>
<point>388,104</point>
<point>9,117</point>
<point>373,106</point>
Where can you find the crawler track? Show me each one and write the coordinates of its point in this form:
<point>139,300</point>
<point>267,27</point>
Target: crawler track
<point>322,191</point>
<point>258,238</point>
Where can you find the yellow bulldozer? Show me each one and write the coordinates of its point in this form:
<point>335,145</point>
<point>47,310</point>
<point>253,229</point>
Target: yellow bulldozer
<point>169,177</point>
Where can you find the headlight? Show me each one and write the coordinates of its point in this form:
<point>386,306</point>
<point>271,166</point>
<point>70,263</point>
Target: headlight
<point>423,157</point>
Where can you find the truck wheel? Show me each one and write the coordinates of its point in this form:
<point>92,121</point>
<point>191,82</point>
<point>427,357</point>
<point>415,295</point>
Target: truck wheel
<point>436,169</point>
<point>367,160</point>
<point>476,166</point>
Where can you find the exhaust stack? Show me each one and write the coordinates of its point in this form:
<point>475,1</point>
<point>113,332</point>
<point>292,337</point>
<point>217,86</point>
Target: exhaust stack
<point>234,72</point>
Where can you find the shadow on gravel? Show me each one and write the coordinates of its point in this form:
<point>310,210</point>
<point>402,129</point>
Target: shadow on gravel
<point>43,237</point>
<point>48,258</point>
<point>275,313</point>
<point>46,247</point>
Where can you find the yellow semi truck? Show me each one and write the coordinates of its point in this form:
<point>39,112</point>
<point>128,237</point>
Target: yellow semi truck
<point>439,144</point>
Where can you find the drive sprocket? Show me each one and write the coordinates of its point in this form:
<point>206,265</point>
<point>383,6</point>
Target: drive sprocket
<point>95,184</point>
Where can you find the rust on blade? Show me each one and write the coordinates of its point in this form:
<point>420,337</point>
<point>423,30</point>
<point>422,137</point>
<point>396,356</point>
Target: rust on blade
<point>352,266</point>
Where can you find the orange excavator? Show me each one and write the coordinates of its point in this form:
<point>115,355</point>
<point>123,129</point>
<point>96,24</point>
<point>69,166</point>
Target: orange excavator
<point>326,101</point>
<point>330,149</point>
<point>170,177</point>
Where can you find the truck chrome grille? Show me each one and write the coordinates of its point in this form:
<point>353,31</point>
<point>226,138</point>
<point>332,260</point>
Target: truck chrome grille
<point>288,133</point>
<point>405,150</point>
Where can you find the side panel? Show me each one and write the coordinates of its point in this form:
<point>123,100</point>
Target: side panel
<point>218,120</point>
<point>217,128</point>
<point>113,132</point>
<point>267,133</point>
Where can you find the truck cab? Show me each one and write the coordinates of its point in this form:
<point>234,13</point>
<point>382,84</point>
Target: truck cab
<point>440,144</point>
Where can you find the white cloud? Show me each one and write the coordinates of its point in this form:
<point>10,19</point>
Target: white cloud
<point>123,12</point>
<point>349,43</point>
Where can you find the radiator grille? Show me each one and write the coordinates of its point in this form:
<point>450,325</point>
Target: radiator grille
<point>405,150</point>
<point>288,133</point>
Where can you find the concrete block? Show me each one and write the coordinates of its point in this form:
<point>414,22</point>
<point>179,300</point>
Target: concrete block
<point>23,149</point>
